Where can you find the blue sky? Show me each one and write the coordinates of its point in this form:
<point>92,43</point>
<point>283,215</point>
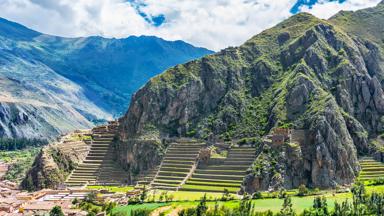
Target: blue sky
<point>214,24</point>
<point>309,4</point>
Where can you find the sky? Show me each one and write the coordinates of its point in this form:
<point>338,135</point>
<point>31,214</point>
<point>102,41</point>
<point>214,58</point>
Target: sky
<point>214,24</point>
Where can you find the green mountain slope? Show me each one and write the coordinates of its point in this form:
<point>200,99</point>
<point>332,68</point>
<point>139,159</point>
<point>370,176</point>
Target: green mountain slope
<point>305,73</point>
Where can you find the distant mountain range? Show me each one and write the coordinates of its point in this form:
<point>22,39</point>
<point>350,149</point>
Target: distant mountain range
<point>50,85</point>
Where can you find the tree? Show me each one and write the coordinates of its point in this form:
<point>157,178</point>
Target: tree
<point>143,194</point>
<point>358,192</point>
<point>202,207</point>
<point>302,190</point>
<point>287,209</point>
<point>320,205</point>
<point>91,197</point>
<point>56,211</point>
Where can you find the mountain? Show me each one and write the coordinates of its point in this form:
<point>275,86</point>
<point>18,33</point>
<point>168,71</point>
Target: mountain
<point>51,85</point>
<point>322,78</point>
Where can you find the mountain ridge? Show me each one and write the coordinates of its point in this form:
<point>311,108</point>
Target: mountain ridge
<point>305,73</point>
<point>86,80</point>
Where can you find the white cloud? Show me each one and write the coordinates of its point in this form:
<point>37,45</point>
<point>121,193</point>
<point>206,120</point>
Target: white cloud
<point>214,24</point>
<point>325,9</point>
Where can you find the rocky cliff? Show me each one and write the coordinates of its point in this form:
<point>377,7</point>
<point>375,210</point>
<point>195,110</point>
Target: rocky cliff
<point>321,76</point>
<point>56,161</point>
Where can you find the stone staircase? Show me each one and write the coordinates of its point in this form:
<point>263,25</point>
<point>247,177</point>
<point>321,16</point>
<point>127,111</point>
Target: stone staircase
<point>370,169</point>
<point>227,175</point>
<point>178,164</point>
<point>99,168</point>
<point>146,178</point>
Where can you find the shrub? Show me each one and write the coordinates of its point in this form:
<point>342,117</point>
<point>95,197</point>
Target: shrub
<point>257,195</point>
<point>282,194</point>
<point>303,190</point>
<point>56,211</point>
<point>287,209</point>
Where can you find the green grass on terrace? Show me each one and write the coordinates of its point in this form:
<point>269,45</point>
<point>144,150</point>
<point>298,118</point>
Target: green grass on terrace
<point>214,183</point>
<point>210,188</point>
<point>126,210</point>
<point>112,188</point>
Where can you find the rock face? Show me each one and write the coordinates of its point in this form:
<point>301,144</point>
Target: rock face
<point>54,163</point>
<point>305,73</point>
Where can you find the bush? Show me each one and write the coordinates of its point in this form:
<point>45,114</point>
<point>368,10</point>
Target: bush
<point>141,212</point>
<point>56,211</point>
<point>282,194</point>
<point>377,181</point>
<point>303,190</point>
<point>257,195</point>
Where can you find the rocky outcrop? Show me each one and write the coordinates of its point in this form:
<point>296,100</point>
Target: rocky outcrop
<point>45,172</point>
<point>55,162</point>
<point>139,156</point>
<point>304,73</point>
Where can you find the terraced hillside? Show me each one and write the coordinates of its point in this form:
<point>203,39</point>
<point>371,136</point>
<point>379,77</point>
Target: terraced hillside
<point>146,178</point>
<point>178,163</point>
<point>228,175</point>
<point>99,168</point>
<point>77,142</point>
<point>371,169</point>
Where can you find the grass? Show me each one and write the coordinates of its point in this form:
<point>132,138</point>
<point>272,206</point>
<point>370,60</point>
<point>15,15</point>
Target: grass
<point>181,196</point>
<point>210,188</point>
<point>114,189</point>
<point>126,210</point>
<point>190,199</point>
<point>185,199</point>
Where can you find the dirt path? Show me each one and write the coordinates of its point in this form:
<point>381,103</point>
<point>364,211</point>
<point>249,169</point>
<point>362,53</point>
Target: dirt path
<point>175,212</point>
<point>157,211</point>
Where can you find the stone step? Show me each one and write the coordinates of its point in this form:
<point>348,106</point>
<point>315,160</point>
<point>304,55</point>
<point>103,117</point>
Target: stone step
<point>190,158</point>
<point>178,162</point>
<point>100,144</point>
<point>179,148</point>
<point>167,173</point>
<point>99,150</point>
<point>211,176</point>
<point>372,169</point>
<point>155,185</point>
<point>216,180</point>
<point>221,172</point>
<point>98,154</point>
<point>209,189</point>
<point>232,163</point>
<point>96,138</point>
<point>188,155</point>
<point>250,160</point>
<point>175,178</point>
<point>99,157</point>
<point>228,167</point>
<point>220,184</point>
<point>177,151</point>
<point>174,169</point>
<point>82,178</point>
<point>166,188</point>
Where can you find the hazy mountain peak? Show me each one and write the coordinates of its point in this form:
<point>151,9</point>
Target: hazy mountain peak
<point>16,31</point>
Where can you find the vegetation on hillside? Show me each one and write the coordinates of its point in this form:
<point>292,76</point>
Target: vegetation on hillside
<point>20,162</point>
<point>12,144</point>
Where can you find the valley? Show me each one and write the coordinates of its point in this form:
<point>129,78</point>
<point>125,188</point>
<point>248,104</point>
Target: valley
<point>52,85</point>
<point>288,123</point>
